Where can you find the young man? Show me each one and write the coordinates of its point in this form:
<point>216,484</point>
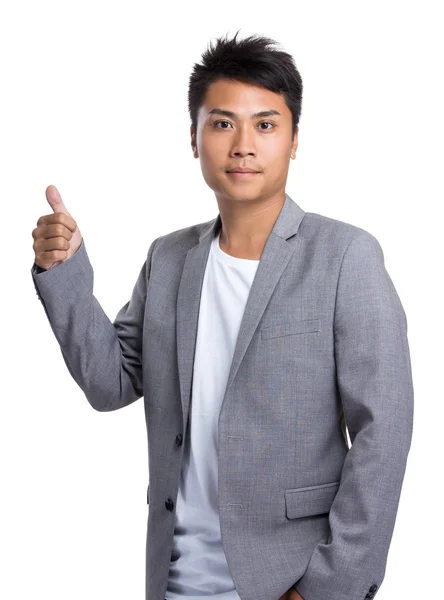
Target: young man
<point>255,339</point>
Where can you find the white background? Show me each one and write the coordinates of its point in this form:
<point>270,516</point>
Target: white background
<point>94,101</point>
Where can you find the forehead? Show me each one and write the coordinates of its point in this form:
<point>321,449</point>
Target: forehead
<point>242,98</point>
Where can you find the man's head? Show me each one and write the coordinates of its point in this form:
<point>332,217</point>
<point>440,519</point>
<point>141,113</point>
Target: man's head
<point>241,79</point>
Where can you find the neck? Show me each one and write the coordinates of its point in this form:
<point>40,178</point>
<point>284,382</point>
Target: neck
<point>247,225</point>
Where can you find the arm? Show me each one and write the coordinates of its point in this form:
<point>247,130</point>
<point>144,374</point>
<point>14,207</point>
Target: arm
<point>104,358</point>
<point>376,389</point>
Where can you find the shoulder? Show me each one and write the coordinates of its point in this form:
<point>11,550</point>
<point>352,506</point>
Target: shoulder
<point>338,236</point>
<point>180,240</point>
<point>342,231</point>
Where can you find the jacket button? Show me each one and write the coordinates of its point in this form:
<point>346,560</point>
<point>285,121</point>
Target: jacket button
<point>373,588</point>
<point>169,504</point>
<point>179,439</point>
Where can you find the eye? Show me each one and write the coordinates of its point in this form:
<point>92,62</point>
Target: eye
<point>217,123</point>
<point>266,123</point>
<point>262,123</point>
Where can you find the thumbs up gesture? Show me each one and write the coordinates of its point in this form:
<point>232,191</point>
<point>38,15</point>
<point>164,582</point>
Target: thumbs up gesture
<point>56,237</point>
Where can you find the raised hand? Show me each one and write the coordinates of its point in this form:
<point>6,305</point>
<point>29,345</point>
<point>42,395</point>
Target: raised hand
<point>56,237</point>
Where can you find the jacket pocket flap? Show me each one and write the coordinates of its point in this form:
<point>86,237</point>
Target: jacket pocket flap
<point>313,500</point>
<point>291,327</point>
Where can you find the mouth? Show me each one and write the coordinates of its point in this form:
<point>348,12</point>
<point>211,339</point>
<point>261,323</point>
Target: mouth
<point>242,174</point>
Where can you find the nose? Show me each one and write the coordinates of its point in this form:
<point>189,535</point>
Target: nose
<point>243,142</point>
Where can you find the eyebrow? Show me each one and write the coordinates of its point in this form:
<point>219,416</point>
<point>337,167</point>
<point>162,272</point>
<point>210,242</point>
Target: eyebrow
<point>229,113</point>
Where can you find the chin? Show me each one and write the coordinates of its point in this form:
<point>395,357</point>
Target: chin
<point>239,196</point>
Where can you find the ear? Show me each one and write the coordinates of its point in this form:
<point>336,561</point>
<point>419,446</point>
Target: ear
<point>193,142</point>
<point>294,144</point>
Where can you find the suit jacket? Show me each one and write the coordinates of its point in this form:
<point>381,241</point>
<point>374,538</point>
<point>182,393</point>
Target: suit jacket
<point>298,506</point>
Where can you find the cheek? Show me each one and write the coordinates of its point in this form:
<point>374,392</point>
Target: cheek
<point>276,151</point>
<point>211,151</point>
<point>208,165</point>
<point>277,160</point>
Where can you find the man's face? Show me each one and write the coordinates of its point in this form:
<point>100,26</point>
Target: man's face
<point>226,141</point>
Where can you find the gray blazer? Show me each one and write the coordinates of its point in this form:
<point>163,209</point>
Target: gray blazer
<point>322,345</point>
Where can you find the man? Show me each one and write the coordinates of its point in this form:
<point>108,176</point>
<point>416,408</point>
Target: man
<point>255,340</point>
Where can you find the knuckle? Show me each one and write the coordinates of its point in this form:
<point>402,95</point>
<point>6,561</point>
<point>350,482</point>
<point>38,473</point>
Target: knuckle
<point>56,219</point>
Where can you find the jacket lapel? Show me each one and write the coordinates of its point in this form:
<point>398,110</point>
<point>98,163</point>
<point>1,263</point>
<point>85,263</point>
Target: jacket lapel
<point>275,257</point>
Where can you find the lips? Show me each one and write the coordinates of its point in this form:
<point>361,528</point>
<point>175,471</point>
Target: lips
<point>242,175</point>
<point>242,170</point>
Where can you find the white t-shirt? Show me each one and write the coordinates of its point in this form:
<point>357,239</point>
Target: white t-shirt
<point>198,568</point>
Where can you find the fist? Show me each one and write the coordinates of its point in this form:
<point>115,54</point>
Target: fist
<point>56,237</point>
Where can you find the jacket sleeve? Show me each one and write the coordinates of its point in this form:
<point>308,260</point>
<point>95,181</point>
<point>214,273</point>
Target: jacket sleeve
<point>375,384</point>
<point>104,358</point>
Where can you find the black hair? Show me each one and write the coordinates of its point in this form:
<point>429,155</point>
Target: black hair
<point>252,60</point>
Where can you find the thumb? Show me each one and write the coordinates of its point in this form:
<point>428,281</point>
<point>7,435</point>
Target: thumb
<point>55,200</point>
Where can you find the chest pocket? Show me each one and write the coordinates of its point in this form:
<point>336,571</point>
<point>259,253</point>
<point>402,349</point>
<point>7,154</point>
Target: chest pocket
<point>291,328</point>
